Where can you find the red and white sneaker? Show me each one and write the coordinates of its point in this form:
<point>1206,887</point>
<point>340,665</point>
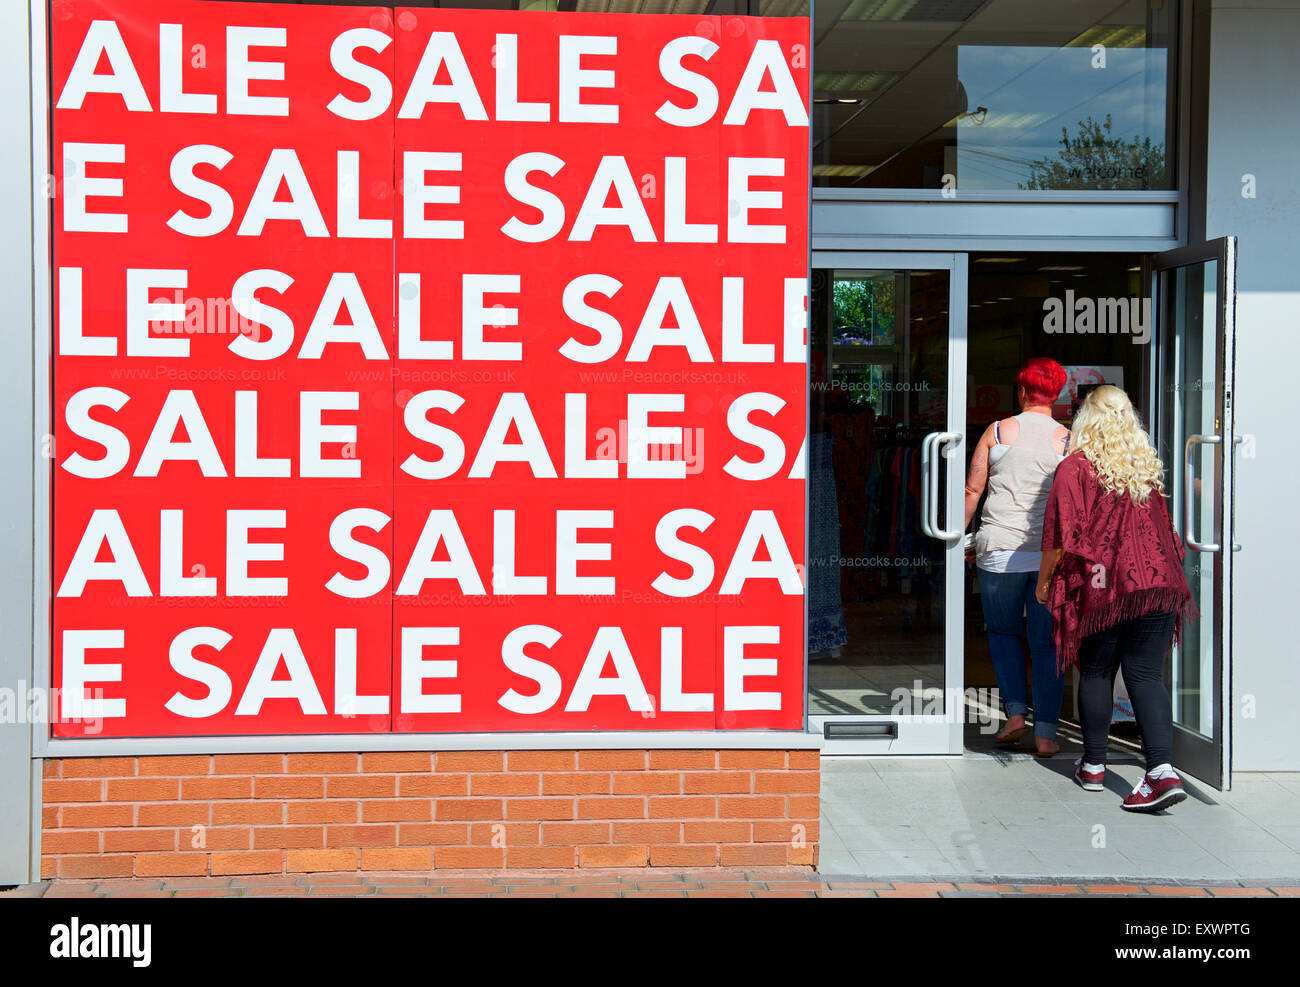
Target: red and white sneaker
<point>1089,781</point>
<point>1154,794</point>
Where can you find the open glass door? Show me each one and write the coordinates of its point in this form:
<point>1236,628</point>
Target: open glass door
<point>1194,293</point>
<point>886,423</point>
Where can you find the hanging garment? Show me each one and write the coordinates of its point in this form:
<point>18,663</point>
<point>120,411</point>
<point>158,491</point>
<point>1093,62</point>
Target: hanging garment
<point>826,627</point>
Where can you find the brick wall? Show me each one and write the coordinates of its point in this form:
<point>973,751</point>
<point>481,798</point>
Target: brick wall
<point>278,813</point>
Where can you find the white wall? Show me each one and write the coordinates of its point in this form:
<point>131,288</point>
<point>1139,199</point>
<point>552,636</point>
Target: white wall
<point>1254,128</point>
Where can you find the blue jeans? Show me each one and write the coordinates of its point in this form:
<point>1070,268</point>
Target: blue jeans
<point>1009,605</point>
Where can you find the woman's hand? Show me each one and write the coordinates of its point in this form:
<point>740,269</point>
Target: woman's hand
<point>1040,593</point>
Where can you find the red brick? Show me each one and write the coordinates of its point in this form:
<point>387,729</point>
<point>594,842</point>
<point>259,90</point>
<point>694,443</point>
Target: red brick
<point>394,858</point>
<point>505,784</point>
<point>247,813</point>
<point>574,833</point>
<point>804,806</point>
<point>289,787</point>
<point>248,764</point>
<point>683,856</point>
<point>361,786</point>
<point>468,857</point>
<point>98,767</point>
<point>507,834</point>
<point>683,807</point>
<point>185,814</point>
<point>613,856</point>
<point>432,786</point>
<point>683,760</point>
<point>469,761</point>
<point>171,864</point>
<point>99,865</point>
<point>647,783</point>
<point>308,861</point>
<point>541,760</point>
<point>289,837</point>
<point>717,832</point>
<point>540,857</point>
<point>383,834</point>
<point>805,760</point>
<point>195,789</point>
<point>99,816</point>
<point>249,862</point>
<point>433,834</point>
<point>597,807</point>
<point>397,761</point>
<point>458,810</point>
<point>141,790</point>
<point>218,838</point>
<point>577,783</point>
<point>76,790</point>
<point>753,855</point>
<point>788,782</point>
<point>751,760</point>
<point>396,810</point>
<point>751,807</point>
<point>803,856</point>
<point>716,782</point>
<point>539,808</point>
<point>322,764</point>
<point>70,841</point>
<point>611,760</point>
<point>50,768</point>
<point>170,765</point>
<point>647,832</point>
<point>784,832</point>
<point>50,816</point>
<point>312,812</point>
<point>137,840</point>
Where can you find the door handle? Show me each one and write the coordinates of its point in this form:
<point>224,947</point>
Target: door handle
<point>926,469</point>
<point>930,484</point>
<point>1189,473</point>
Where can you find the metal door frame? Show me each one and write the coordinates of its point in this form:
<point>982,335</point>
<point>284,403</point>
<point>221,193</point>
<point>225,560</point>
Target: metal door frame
<point>942,735</point>
<point>1208,760</point>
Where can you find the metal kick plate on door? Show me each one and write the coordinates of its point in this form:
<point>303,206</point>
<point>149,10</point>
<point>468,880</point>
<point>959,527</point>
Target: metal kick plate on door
<point>887,730</point>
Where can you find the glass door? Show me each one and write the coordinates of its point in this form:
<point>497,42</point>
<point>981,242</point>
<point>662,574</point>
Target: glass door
<point>1195,298</point>
<point>887,407</point>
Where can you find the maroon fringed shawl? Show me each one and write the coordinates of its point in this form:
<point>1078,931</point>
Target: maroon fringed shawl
<point>1121,560</point>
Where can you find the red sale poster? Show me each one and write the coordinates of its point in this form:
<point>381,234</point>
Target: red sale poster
<point>427,370</point>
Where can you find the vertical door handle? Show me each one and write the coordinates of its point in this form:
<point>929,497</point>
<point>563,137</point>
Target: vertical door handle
<point>927,467</point>
<point>1189,474</point>
<point>941,445</point>
<point>935,442</point>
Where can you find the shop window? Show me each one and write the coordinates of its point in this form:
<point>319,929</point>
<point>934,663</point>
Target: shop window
<point>994,94</point>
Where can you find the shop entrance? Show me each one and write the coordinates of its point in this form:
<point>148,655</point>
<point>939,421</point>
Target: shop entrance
<point>912,357</point>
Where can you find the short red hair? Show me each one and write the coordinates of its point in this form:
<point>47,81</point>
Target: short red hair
<point>1042,378</point>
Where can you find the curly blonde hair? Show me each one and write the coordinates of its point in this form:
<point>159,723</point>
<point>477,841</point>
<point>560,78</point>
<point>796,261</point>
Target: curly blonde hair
<point>1107,431</point>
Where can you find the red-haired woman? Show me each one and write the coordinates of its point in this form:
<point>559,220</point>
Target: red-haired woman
<point>1015,460</point>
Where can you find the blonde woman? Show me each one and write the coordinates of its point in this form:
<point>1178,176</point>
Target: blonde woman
<point>1112,576</point>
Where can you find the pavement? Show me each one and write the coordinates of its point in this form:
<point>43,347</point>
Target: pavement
<point>1017,818</point>
<point>711,883</point>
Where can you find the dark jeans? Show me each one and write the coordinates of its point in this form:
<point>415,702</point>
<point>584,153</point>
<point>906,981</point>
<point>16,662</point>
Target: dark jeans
<point>1138,646</point>
<point>1009,611</point>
